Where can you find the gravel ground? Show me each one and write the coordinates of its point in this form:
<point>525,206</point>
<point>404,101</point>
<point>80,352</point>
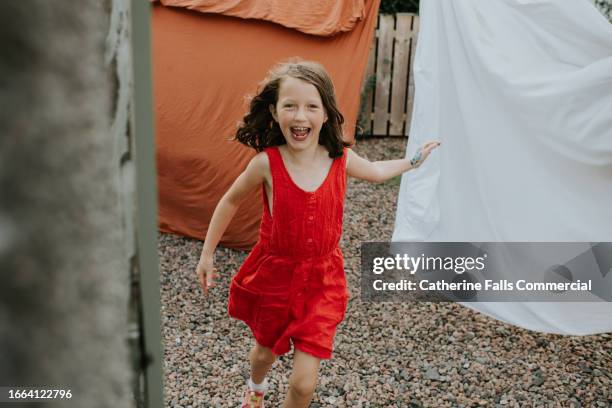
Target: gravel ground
<point>386,355</point>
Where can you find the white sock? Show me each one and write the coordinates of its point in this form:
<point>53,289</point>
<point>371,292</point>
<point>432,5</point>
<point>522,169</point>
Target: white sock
<point>258,387</point>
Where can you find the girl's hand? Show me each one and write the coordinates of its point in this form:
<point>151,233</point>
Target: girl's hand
<point>423,153</point>
<point>206,273</point>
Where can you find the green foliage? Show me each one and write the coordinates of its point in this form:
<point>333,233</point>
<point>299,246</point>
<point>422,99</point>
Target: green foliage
<point>606,8</point>
<point>399,6</point>
<point>363,118</point>
<point>412,6</point>
<point>395,181</point>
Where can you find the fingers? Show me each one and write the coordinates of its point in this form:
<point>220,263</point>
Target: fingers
<point>423,152</point>
<point>203,284</point>
<point>210,280</point>
<point>207,280</point>
<point>429,146</point>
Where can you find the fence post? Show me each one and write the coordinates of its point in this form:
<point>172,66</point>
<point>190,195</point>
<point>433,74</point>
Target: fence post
<point>142,120</point>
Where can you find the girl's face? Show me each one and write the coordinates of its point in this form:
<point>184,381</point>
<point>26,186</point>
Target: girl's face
<point>299,112</point>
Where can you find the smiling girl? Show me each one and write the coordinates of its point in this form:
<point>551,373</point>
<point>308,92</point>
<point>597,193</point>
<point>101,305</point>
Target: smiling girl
<point>291,289</point>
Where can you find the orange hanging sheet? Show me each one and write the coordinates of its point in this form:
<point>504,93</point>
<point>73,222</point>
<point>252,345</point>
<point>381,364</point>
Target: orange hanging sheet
<point>318,17</point>
<point>204,64</point>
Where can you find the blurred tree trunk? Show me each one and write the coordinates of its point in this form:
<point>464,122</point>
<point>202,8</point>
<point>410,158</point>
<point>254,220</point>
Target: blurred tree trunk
<point>64,273</point>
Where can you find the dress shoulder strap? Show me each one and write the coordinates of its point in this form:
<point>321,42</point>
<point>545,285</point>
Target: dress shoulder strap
<point>275,160</point>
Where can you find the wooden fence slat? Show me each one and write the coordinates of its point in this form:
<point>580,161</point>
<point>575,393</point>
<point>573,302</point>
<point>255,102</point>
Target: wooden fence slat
<point>413,43</point>
<point>383,74</point>
<point>400,73</point>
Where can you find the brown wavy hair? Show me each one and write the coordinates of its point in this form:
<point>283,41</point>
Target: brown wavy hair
<point>258,128</point>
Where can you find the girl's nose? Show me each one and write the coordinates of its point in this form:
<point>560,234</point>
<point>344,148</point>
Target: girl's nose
<point>300,114</point>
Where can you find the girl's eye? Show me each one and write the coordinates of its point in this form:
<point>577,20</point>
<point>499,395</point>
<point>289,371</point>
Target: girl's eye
<point>314,106</point>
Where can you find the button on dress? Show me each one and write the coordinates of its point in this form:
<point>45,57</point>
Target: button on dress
<point>292,286</point>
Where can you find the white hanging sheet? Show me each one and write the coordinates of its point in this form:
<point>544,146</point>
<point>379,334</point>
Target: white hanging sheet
<point>519,92</point>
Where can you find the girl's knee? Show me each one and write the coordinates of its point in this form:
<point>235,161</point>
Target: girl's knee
<point>262,354</point>
<point>302,386</point>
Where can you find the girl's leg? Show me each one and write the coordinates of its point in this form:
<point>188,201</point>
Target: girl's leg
<point>261,359</point>
<point>303,380</point>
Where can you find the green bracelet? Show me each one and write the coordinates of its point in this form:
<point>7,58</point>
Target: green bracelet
<point>417,157</point>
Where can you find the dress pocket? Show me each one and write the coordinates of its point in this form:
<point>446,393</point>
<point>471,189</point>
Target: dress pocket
<point>243,304</point>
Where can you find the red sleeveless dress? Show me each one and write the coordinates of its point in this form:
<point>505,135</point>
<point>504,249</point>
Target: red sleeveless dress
<point>292,286</point>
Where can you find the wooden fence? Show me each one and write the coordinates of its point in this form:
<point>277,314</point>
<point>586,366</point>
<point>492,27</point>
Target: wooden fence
<point>388,88</point>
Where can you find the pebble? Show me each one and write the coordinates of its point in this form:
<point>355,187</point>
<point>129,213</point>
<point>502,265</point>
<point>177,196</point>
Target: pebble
<point>432,374</point>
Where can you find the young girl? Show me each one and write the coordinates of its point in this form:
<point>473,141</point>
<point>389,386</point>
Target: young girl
<point>292,287</point>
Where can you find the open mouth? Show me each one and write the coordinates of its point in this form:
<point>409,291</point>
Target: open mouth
<point>300,133</point>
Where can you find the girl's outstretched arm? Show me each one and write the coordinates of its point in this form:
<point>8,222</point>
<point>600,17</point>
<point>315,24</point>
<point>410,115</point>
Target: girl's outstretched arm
<point>380,171</point>
<point>249,179</point>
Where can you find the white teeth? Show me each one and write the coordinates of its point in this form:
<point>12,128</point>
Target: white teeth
<point>299,129</point>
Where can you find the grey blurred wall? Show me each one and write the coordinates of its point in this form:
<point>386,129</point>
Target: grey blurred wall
<point>64,267</point>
